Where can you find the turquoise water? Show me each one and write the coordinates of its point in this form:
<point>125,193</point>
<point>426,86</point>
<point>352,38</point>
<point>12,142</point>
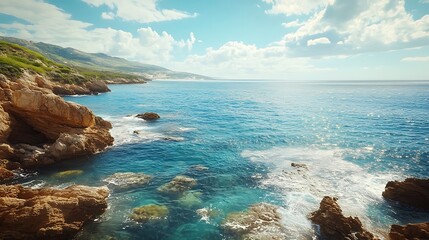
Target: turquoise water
<point>353,137</point>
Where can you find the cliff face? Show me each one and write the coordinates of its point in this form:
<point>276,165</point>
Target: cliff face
<point>38,127</point>
<point>48,213</point>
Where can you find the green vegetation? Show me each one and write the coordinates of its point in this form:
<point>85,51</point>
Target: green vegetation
<point>101,63</point>
<point>15,59</point>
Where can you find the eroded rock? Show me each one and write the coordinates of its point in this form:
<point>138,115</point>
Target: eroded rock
<point>260,221</point>
<point>335,226</point>
<point>412,191</point>
<point>55,128</point>
<point>409,231</point>
<point>48,213</point>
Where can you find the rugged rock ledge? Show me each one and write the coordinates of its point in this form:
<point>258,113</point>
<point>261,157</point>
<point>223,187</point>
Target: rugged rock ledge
<point>38,127</point>
<point>334,225</point>
<point>410,231</point>
<point>413,192</point>
<point>48,213</point>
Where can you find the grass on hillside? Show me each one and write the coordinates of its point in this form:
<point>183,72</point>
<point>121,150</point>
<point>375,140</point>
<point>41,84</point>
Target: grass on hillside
<point>14,59</point>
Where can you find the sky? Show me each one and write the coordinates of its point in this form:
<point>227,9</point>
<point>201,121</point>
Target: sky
<point>239,39</point>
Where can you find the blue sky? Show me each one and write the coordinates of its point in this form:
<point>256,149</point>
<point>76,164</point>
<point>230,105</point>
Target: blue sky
<point>257,39</point>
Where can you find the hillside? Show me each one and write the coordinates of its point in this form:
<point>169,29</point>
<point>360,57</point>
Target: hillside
<point>100,61</point>
<point>16,59</point>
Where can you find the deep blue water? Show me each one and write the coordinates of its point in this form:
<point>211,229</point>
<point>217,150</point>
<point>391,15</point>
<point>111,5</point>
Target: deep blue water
<point>353,137</point>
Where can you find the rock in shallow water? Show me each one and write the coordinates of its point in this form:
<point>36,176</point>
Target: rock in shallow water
<point>128,179</point>
<point>178,185</point>
<point>48,213</point>
<point>68,173</point>
<point>149,212</point>
<point>412,191</point>
<point>190,199</point>
<point>410,231</point>
<point>148,116</point>
<point>335,226</point>
<point>261,221</point>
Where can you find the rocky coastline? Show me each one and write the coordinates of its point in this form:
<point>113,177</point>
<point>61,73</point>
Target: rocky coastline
<point>37,128</point>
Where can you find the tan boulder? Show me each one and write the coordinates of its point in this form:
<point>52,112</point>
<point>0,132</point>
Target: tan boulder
<point>48,213</point>
<point>43,109</point>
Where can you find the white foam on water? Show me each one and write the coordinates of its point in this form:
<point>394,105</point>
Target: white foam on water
<point>328,174</point>
<point>128,130</point>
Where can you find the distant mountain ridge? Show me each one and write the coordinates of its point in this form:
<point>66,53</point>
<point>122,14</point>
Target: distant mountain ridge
<point>100,61</point>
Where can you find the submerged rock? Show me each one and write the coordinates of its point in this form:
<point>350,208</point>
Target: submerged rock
<point>410,231</point>
<point>148,116</point>
<point>149,212</point>
<point>68,173</point>
<point>128,179</point>
<point>412,191</point>
<point>199,168</point>
<point>190,199</point>
<point>48,213</point>
<point>178,185</point>
<point>334,225</point>
<point>260,221</point>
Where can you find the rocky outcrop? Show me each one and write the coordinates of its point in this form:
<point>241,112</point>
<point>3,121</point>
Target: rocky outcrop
<point>178,185</point>
<point>335,226</point>
<point>42,128</point>
<point>128,179</point>
<point>412,191</point>
<point>48,213</point>
<point>148,116</point>
<point>91,87</point>
<point>260,221</point>
<point>151,212</point>
<point>410,231</point>
<point>4,125</point>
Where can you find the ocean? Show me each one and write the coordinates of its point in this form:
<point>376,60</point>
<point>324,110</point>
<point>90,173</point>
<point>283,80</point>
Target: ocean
<point>353,137</point>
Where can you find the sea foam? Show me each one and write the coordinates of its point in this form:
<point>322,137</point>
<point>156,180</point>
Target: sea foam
<point>327,174</point>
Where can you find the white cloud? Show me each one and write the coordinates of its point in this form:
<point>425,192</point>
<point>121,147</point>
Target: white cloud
<point>47,23</point>
<point>360,26</point>
<point>248,61</point>
<point>108,15</point>
<point>317,41</point>
<point>143,11</point>
<point>415,59</point>
<point>295,7</point>
<point>292,24</point>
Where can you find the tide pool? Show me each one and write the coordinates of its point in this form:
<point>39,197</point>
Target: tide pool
<point>353,137</point>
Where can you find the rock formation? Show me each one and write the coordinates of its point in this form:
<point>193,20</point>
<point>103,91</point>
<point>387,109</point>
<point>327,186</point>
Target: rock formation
<point>128,179</point>
<point>178,185</point>
<point>260,221</point>
<point>412,191</point>
<point>149,212</point>
<point>410,231</point>
<point>334,225</point>
<point>39,127</point>
<point>148,116</point>
<point>48,213</point>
